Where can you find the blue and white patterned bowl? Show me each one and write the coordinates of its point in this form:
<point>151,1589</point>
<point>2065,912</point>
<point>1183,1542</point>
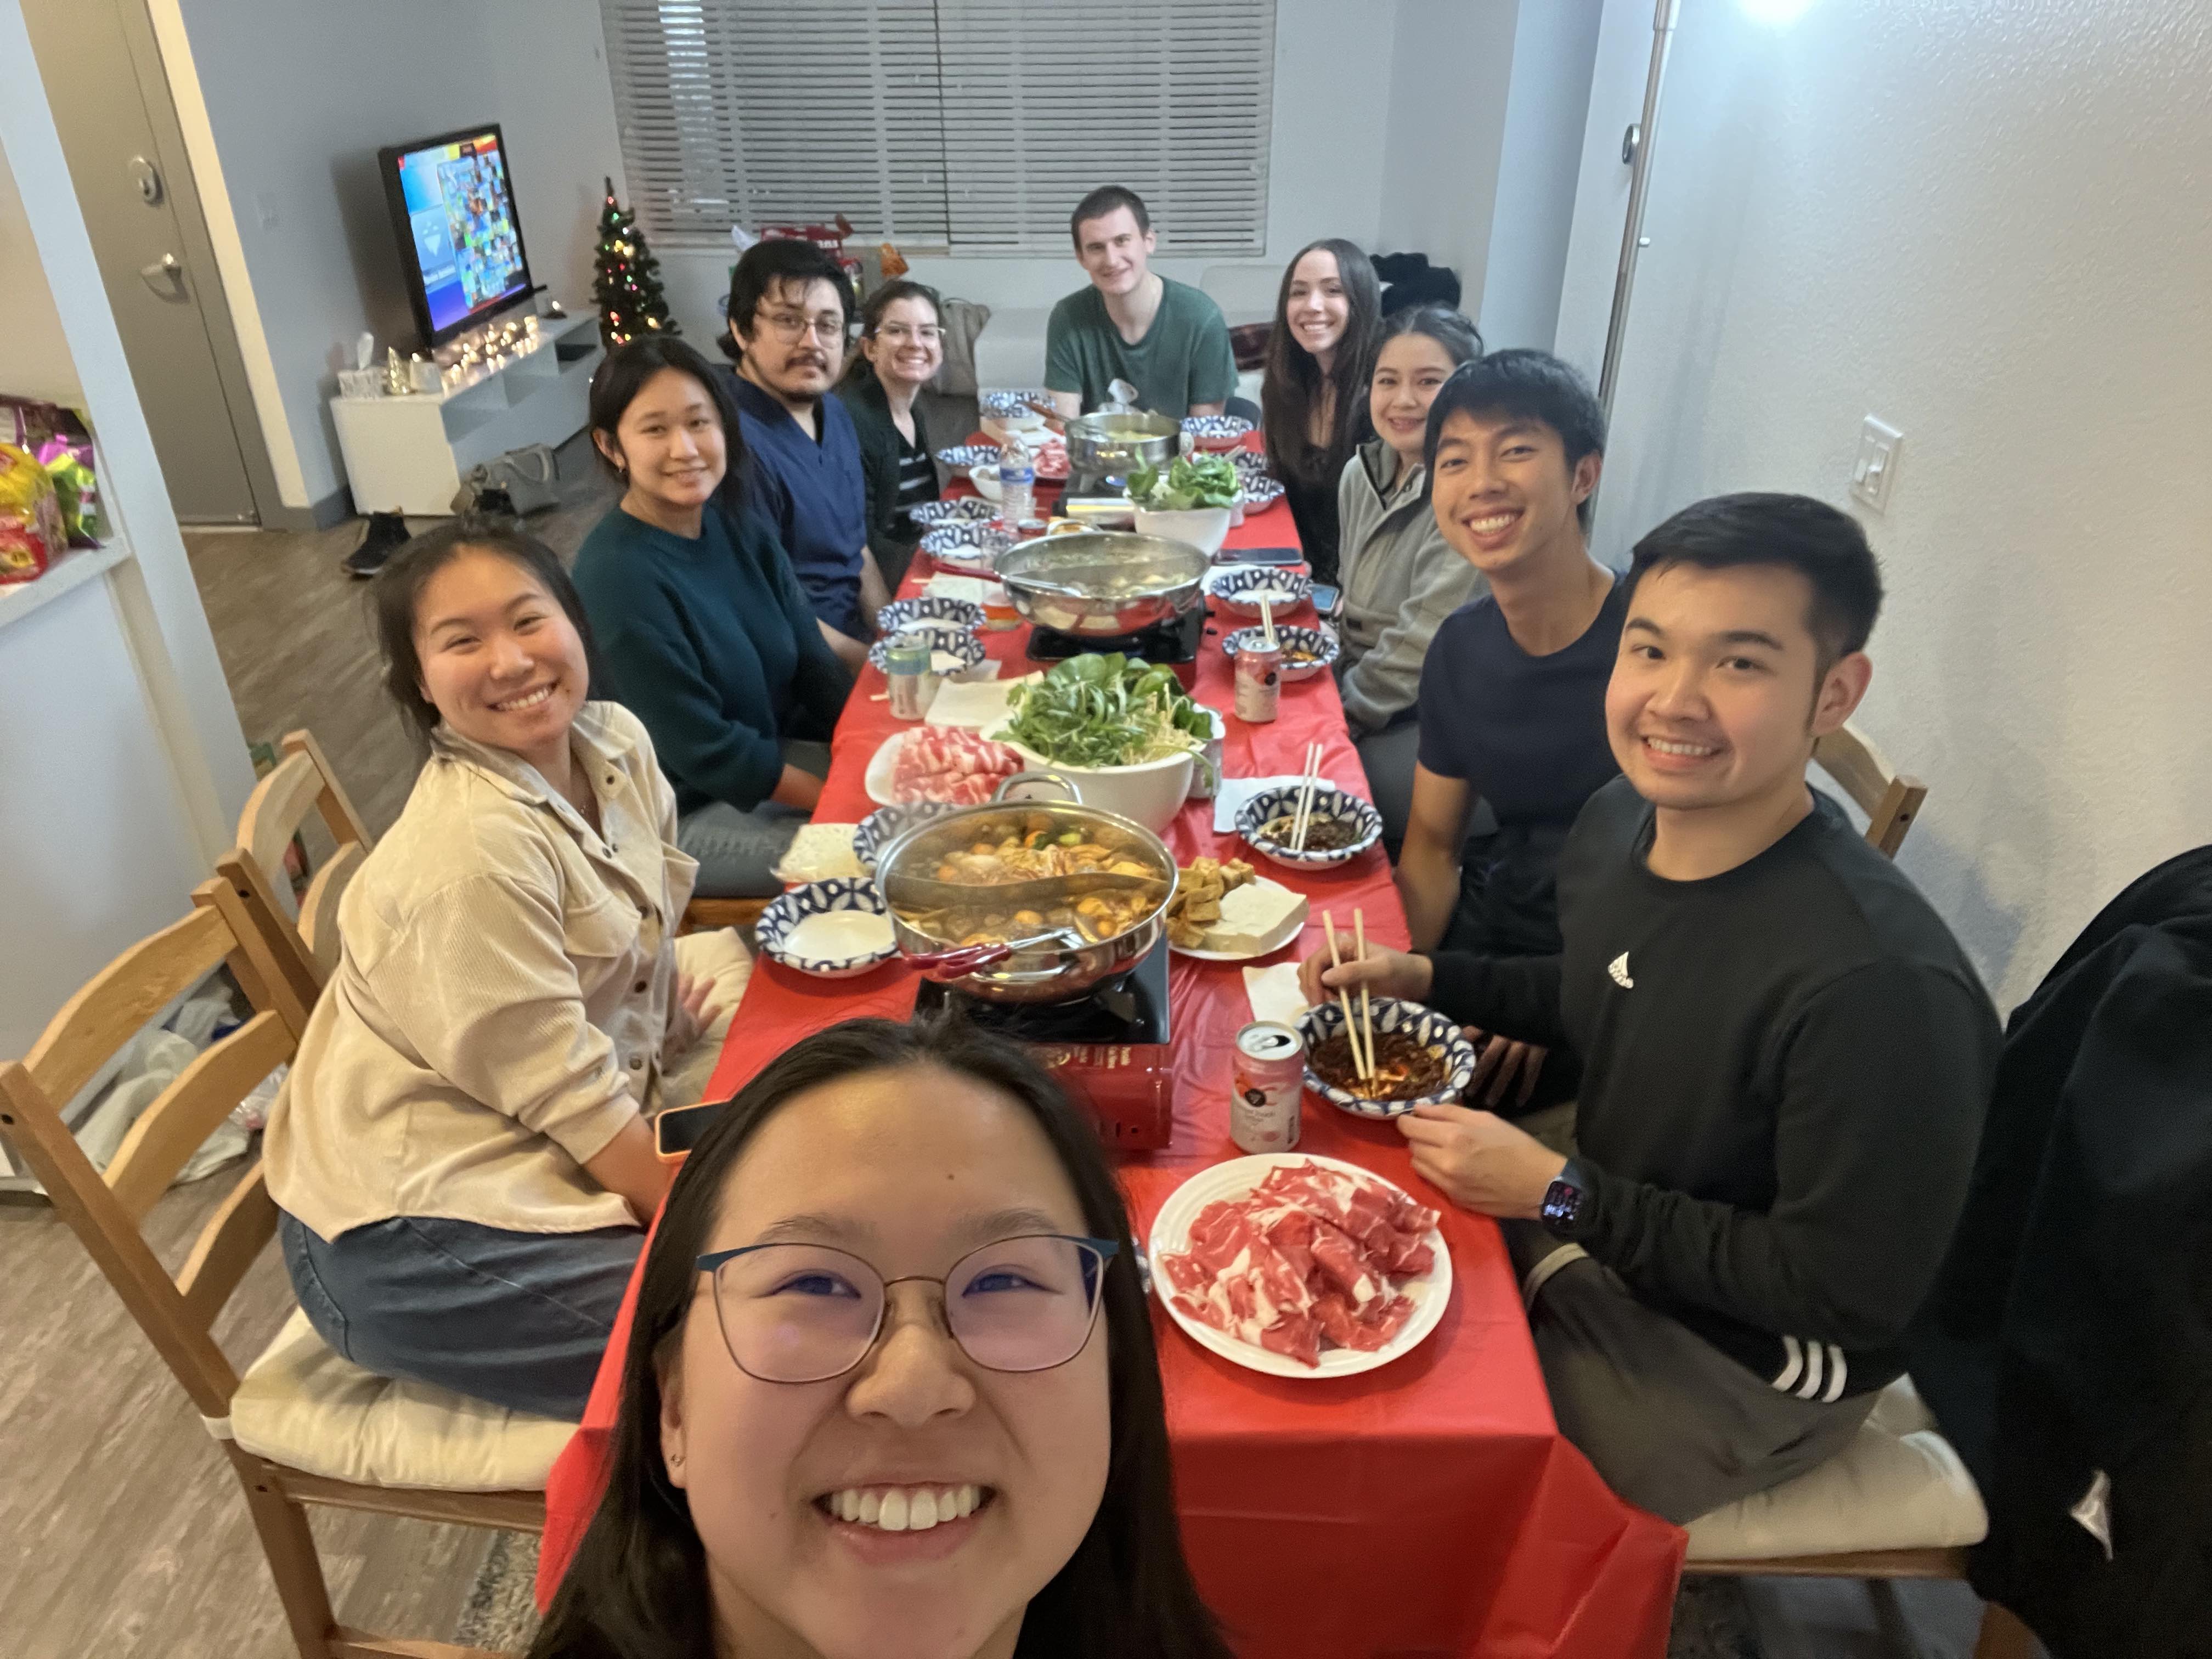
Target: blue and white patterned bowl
<point>961,457</point>
<point>1217,431</point>
<point>1271,803</point>
<point>962,642</point>
<point>929,608</point>
<point>1003,403</point>
<point>945,538</point>
<point>1259,491</point>
<point>1252,463</point>
<point>1322,641</point>
<point>886,824</point>
<point>1231,584</point>
<point>1432,1030</point>
<point>795,904</point>
<point>968,509</point>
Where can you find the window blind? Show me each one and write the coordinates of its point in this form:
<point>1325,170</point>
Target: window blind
<point>972,124</point>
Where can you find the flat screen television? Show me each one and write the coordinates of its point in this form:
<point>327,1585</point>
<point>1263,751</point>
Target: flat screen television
<point>460,239</point>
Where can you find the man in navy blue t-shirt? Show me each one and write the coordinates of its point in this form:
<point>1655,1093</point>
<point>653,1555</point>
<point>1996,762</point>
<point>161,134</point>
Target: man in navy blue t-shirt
<point>789,308</point>
<point>1513,701</point>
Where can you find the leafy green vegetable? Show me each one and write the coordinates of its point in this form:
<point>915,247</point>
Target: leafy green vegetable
<point>1193,481</point>
<point>1105,710</point>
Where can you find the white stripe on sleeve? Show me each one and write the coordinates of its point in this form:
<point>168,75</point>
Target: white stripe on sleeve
<point>1836,1370</point>
<point>1813,1352</point>
<point>1788,1380</point>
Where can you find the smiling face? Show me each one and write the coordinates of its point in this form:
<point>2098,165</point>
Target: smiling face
<point>907,346</point>
<point>795,345</point>
<point>1408,370</point>
<point>500,658</point>
<point>1114,251</point>
<point>1718,694</point>
<point>910,1170</point>
<point>1503,494</point>
<point>669,442</point>
<point>1315,307</point>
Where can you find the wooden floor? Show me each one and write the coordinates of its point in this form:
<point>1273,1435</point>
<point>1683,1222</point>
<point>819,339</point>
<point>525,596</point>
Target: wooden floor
<point>122,1533</point>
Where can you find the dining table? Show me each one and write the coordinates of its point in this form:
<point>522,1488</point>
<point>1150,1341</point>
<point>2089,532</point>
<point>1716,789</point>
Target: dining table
<point>1427,1507</point>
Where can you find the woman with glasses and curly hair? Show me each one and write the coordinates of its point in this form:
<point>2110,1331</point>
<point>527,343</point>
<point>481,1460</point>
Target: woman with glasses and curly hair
<point>902,348</point>
<point>891,1384</point>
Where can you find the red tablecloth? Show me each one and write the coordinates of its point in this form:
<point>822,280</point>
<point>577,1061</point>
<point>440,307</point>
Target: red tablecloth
<point>1430,1508</point>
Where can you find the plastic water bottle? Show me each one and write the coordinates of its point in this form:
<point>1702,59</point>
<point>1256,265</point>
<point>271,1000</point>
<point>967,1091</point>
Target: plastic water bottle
<point>1016,483</point>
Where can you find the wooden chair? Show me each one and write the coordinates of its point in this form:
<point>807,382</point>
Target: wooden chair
<point>1890,799</point>
<point>300,1404</point>
<point>1898,1483</point>
<point>302,783</point>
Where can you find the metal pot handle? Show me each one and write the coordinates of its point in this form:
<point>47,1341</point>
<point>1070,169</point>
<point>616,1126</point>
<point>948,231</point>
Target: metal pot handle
<point>998,795</point>
<point>958,962</point>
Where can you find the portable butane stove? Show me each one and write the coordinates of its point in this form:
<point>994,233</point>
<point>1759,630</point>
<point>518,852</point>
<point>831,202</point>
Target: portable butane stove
<point>1109,1046</point>
<point>1174,643</point>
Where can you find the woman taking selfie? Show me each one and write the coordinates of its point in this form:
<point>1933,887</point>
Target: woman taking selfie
<point>1313,401</point>
<point>459,1150</point>
<point>870,1404</point>
<point>704,631</point>
<point>1401,578</point>
<point>901,348</point>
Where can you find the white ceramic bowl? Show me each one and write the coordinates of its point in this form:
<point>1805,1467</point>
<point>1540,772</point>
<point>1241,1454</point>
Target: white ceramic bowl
<point>1434,1031</point>
<point>795,904</point>
<point>1270,804</point>
<point>1149,792</point>
<point>1203,527</point>
<point>986,480</point>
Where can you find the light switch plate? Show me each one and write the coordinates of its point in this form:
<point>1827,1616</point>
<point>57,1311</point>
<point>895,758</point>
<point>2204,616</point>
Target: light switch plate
<point>1876,464</point>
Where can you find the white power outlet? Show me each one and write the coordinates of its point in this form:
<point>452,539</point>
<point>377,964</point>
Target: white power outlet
<point>1876,464</point>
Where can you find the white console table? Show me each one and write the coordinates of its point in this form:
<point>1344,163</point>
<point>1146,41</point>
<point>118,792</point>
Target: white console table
<point>408,454</point>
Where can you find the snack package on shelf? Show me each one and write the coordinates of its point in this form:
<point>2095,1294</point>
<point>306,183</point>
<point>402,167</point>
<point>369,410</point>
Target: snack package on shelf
<point>31,532</point>
<point>58,440</point>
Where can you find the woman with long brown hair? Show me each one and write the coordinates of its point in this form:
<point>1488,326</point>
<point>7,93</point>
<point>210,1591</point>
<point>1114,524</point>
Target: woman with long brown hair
<point>1313,403</point>
<point>891,1385</point>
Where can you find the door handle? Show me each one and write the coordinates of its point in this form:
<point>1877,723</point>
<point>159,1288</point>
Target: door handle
<point>169,269</point>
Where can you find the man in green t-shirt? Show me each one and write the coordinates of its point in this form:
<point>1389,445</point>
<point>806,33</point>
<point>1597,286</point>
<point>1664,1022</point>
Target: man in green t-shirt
<point>1165,337</point>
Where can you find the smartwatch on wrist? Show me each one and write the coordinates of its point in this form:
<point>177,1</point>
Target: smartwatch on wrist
<point>1566,1202</point>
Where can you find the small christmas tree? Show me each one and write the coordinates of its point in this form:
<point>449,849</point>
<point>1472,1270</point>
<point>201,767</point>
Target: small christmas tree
<point>627,283</point>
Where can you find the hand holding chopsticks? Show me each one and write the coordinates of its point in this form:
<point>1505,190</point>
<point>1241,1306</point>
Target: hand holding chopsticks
<point>1363,1058</point>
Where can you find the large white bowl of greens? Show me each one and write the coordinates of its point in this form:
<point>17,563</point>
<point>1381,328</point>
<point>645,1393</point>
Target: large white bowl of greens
<point>1189,501</point>
<point>1120,729</point>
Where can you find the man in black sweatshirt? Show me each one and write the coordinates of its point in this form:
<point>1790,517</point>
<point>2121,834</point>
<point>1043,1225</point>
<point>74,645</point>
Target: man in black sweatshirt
<point>1786,1055</point>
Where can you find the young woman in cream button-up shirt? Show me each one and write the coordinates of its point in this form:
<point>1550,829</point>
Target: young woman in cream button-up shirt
<point>459,1152</point>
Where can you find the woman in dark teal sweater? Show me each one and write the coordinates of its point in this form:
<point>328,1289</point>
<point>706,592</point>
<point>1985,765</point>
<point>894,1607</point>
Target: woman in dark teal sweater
<point>704,631</point>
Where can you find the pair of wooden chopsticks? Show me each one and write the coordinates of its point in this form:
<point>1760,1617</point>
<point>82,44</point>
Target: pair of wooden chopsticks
<point>1268,623</point>
<point>1363,1059</point>
<point>1302,815</point>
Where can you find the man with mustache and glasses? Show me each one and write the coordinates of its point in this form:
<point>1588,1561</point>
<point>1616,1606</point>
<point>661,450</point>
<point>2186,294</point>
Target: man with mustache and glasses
<point>1786,1056</point>
<point>790,306</point>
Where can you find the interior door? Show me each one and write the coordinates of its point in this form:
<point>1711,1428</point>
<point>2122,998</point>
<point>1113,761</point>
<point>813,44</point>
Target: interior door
<point>143,217</point>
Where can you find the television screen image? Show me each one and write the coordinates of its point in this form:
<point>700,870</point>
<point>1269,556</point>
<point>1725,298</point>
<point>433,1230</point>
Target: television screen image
<point>452,204</point>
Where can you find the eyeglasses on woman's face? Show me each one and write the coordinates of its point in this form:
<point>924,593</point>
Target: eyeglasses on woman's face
<point>806,1313</point>
<point>900,334</point>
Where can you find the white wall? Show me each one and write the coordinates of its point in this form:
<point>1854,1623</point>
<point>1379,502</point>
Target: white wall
<point>299,94</point>
<point>1452,63</point>
<point>34,358</point>
<point>1326,174</point>
<point>1989,226</point>
<point>1539,153</point>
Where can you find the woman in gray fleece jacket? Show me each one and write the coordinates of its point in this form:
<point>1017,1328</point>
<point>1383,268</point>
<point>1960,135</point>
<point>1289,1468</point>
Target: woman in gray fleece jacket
<point>1400,577</point>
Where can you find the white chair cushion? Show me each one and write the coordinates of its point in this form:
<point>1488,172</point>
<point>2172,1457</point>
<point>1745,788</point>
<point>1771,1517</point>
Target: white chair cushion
<point>1897,1485</point>
<point>303,1405</point>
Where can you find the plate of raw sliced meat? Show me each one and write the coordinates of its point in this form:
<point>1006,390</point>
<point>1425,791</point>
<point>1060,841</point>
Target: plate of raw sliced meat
<point>1300,1265</point>
<point>947,763</point>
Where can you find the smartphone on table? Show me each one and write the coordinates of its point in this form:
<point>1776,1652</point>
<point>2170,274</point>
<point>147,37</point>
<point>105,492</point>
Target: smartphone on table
<point>1259,555</point>
<point>1325,599</point>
